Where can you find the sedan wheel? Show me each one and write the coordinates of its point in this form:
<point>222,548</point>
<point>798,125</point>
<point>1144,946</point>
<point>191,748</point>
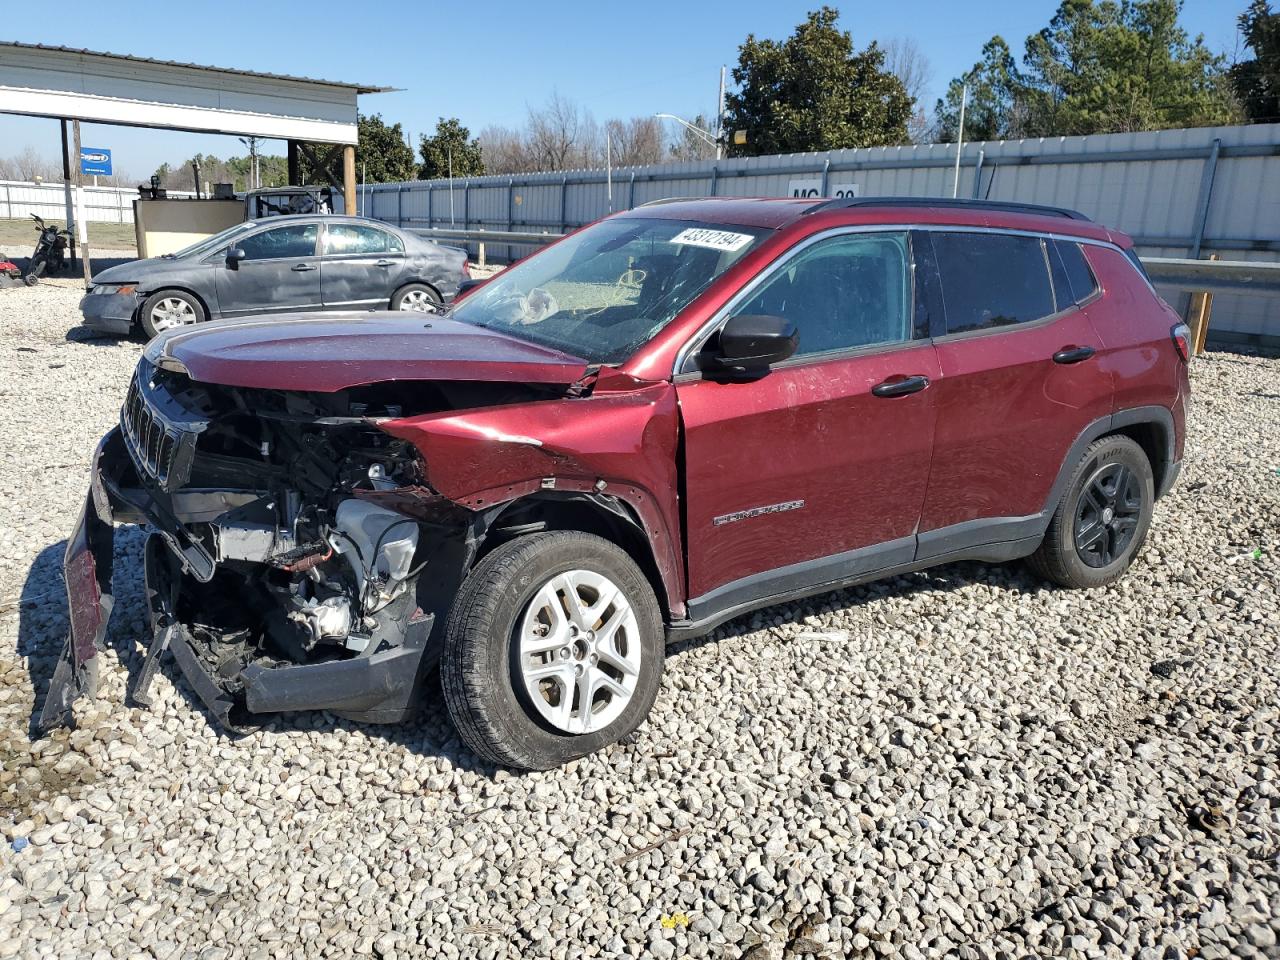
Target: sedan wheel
<point>419,301</point>
<point>171,312</point>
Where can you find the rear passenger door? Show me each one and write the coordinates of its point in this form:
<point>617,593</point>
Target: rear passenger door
<point>1019,380</point>
<point>361,268</point>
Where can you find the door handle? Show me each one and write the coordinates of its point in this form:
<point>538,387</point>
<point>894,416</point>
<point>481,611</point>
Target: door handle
<point>384,263</point>
<point>900,388</point>
<point>1073,354</point>
<point>302,267</point>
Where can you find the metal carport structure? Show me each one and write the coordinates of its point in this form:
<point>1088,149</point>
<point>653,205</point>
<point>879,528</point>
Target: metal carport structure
<point>73,85</point>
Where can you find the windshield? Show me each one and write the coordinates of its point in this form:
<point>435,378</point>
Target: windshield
<point>212,243</point>
<point>603,292</point>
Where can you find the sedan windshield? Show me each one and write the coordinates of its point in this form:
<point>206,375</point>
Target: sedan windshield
<point>212,243</point>
<point>605,291</point>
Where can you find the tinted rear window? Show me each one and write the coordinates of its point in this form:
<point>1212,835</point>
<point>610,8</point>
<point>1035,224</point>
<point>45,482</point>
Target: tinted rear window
<point>992,279</point>
<point>1078,282</point>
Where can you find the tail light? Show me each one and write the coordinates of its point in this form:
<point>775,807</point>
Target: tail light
<point>466,269</point>
<point>1181,334</point>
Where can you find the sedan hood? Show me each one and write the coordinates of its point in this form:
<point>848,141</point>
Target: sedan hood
<point>140,271</point>
<point>329,352</point>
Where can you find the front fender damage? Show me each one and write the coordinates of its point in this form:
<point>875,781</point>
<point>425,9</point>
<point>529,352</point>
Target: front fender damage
<point>624,448</point>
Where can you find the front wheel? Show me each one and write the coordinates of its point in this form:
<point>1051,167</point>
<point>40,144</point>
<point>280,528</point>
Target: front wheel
<point>554,649</point>
<point>167,309</point>
<point>1103,517</point>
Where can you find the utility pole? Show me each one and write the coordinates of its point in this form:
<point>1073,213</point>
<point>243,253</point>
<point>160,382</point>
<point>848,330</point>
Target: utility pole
<point>450,155</point>
<point>608,164</point>
<point>720,116</point>
<point>955,184</point>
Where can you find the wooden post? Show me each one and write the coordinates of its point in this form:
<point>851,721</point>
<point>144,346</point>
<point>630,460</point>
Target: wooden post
<point>81,227</point>
<point>66,189</point>
<point>1200,308</point>
<point>349,180</point>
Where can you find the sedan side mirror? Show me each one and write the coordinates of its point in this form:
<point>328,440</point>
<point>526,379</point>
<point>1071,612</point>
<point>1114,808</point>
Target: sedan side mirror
<point>234,256</point>
<point>752,342</point>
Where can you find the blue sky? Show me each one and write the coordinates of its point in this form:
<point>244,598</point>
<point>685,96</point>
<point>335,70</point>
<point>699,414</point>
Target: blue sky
<point>486,61</point>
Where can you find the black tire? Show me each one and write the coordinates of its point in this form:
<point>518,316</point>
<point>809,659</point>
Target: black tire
<point>480,669</point>
<point>1094,535</point>
<point>150,325</point>
<point>419,292</point>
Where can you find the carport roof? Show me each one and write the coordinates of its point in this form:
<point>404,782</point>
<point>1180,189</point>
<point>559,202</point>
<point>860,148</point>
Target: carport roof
<point>75,84</point>
<point>357,87</point>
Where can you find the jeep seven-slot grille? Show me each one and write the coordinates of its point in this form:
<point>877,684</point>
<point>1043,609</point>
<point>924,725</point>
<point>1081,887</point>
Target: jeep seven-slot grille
<point>159,449</point>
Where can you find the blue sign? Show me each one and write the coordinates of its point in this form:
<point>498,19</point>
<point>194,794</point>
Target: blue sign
<point>95,161</point>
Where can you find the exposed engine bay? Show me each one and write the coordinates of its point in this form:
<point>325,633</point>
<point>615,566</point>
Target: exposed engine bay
<point>291,532</point>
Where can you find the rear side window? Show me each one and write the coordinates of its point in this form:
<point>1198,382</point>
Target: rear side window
<point>1132,257</point>
<point>992,279</point>
<point>1073,281</point>
<point>341,238</point>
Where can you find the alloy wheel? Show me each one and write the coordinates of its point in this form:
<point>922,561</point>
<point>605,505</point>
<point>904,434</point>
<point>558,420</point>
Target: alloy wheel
<point>171,312</point>
<point>419,301</point>
<point>1107,514</point>
<point>579,651</point>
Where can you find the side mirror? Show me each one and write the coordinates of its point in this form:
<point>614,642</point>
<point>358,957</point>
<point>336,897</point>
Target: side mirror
<point>234,256</point>
<point>752,342</point>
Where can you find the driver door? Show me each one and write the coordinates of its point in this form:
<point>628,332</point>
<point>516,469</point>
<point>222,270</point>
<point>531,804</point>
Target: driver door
<point>280,272</point>
<point>809,474</point>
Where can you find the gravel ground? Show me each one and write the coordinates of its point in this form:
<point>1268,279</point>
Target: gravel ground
<point>962,762</point>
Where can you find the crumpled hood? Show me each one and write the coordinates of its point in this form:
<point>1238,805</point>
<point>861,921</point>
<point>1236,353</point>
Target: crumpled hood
<point>335,351</point>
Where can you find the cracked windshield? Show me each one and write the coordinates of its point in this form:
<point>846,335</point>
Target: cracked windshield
<point>603,292</point>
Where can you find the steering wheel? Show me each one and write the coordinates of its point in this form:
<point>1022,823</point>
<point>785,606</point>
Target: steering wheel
<point>632,278</point>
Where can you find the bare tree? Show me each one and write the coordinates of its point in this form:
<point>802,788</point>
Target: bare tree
<point>28,164</point>
<point>562,135</point>
<point>906,61</point>
<point>636,141</point>
<point>687,145</point>
<point>505,150</point>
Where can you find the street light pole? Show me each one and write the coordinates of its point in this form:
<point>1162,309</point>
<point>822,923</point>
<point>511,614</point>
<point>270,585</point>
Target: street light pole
<point>720,116</point>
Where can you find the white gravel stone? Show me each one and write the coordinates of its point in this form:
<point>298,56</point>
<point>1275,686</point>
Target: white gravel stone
<point>959,762</point>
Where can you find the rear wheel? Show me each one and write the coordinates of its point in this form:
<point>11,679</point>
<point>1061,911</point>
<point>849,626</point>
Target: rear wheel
<point>167,309</point>
<point>1103,518</point>
<point>554,650</point>
<point>416,297</point>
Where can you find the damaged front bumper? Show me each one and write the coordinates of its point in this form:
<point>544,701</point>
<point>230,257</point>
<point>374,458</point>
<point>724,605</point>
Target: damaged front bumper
<point>379,684</point>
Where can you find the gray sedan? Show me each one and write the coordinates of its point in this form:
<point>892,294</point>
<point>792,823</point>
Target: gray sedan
<point>277,265</point>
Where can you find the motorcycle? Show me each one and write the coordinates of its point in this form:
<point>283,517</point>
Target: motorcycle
<point>50,254</point>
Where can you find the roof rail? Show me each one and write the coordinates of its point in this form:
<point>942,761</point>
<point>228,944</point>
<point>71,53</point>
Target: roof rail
<point>1005,206</point>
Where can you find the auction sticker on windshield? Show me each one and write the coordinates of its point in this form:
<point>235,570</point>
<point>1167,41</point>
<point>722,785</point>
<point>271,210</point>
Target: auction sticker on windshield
<point>715,239</point>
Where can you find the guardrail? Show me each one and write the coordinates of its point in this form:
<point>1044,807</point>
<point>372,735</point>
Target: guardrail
<point>1214,276</point>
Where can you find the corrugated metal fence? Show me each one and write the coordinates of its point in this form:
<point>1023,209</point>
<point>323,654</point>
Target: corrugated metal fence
<point>21,198</point>
<point>1177,192</point>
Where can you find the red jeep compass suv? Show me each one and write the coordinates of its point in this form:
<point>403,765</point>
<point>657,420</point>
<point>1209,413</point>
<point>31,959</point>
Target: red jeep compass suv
<point>675,415</point>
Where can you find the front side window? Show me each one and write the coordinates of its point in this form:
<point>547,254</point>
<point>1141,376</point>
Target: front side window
<point>842,293</point>
<point>603,292</point>
<point>992,279</point>
<point>292,242</point>
<point>340,239</point>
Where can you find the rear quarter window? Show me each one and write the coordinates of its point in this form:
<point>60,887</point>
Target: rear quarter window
<point>992,280</point>
<point>1073,281</point>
